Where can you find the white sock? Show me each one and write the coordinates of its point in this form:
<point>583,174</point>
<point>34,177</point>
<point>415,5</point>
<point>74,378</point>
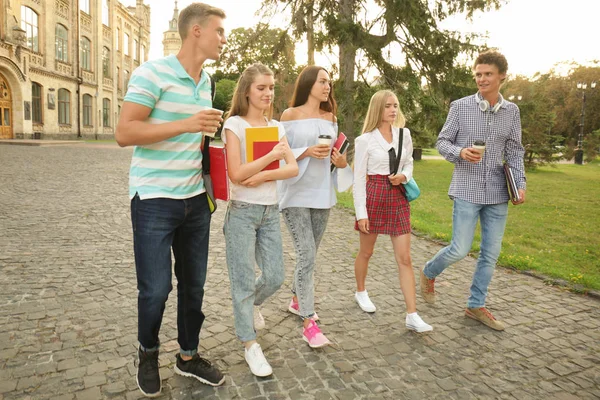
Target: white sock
<point>414,314</point>
<point>363,293</point>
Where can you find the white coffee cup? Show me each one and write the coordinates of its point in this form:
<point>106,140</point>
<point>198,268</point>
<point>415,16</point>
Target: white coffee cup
<point>479,146</point>
<point>324,139</point>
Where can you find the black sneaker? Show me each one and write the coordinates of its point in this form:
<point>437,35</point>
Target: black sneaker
<point>200,369</point>
<point>148,378</point>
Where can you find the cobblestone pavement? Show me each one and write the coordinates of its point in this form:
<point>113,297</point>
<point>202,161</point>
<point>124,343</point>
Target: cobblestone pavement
<point>68,309</point>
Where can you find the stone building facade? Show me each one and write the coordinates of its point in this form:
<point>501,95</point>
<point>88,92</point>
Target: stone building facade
<point>171,39</point>
<point>65,64</point>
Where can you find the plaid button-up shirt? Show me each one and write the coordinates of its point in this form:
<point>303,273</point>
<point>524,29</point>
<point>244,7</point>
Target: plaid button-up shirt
<point>483,182</point>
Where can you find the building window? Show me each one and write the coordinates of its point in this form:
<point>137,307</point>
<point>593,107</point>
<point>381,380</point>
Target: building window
<point>36,102</point>
<point>29,23</point>
<point>118,77</point>
<point>135,49</point>
<point>106,62</point>
<point>125,78</point>
<point>143,53</point>
<point>126,44</point>
<point>64,107</point>
<point>106,112</point>
<point>84,5</point>
<point>105,13</point>
<point>117,39</point>
<point>62,43</point>
<point>86,52</point>
<point>87,110</point>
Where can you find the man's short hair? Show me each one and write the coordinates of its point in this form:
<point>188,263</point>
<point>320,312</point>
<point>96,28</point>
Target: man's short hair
<point>196,13</point>
<point>492,57</point>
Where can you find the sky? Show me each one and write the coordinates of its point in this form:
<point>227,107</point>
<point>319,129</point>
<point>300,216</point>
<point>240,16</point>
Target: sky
<point>532,34</point>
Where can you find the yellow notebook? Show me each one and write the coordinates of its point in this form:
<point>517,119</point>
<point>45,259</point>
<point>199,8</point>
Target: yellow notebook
<point>260,141</point>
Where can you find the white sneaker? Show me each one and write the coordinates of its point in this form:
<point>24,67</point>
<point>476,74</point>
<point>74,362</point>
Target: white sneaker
<point>363,300</point>
<point>415,323</point>
<point>259,321</point>
<point>256,361</point>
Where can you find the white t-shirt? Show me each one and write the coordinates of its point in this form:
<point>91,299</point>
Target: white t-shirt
<point>264,194</point>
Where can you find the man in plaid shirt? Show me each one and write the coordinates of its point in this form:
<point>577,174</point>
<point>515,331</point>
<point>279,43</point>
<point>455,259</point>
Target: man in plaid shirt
<point>478,186</point>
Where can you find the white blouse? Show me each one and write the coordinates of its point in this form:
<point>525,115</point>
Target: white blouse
<point>371,158</point>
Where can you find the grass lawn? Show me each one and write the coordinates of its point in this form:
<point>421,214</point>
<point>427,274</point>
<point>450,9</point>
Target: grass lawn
<point>431,152</point>
<point>556,232</point>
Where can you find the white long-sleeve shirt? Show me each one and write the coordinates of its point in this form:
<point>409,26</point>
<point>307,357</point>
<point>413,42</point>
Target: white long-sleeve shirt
<point>371,158</point>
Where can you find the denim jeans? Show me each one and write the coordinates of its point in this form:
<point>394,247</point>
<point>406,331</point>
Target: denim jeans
<point>159,225</point>
<point>252,233</point>
<point>306,226</point>
<point>464,220</point>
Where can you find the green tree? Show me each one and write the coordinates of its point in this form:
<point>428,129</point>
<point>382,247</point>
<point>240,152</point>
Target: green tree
<point>271,47</point>
<point>537,119</point>
<point>409,28</point>
<point>224,93</point>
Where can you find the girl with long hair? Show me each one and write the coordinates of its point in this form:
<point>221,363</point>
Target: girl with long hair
<point>252,229</point>
<point>380,201</point>
<point>306,200</point>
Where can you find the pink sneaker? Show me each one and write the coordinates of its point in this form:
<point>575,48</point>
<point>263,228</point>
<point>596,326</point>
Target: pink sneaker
<point>313,336</point>
<point>294,308</point>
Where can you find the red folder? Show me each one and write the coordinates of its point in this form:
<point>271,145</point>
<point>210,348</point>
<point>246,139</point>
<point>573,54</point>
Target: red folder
<point>341,144</point>
<point>262,149</point>
<point>218,172</point>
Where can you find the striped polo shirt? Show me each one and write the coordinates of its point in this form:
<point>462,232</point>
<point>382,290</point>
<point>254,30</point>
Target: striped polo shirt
<point>171,168</point>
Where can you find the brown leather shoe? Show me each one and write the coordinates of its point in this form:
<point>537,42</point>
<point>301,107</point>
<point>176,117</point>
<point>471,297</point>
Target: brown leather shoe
<point>427,289</point>
<point>483,315</point>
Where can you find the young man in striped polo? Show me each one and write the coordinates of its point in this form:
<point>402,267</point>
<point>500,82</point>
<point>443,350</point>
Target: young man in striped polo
<point>478,186</point>
<point>167,106</point>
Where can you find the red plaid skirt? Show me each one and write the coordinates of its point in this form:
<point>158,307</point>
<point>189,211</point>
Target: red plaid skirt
<point>387,207</point>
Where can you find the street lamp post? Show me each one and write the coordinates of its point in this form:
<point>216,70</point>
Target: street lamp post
<point>579,150</point>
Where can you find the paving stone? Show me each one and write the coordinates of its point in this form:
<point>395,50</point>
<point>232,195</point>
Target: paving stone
<point>68,321</point>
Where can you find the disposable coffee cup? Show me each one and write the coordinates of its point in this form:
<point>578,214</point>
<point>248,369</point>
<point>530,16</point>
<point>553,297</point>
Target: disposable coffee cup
<point>212,134</point>
<point>324,139</point>
<point>479,145</point>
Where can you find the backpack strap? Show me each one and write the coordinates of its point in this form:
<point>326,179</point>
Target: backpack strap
<point>206,139</point>
<point>400,141</point>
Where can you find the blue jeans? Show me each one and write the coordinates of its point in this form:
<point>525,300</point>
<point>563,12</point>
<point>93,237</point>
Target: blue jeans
<point>252,233</point>
<point>306,226</point>
<point>464,220</point>
<point>159,225</point>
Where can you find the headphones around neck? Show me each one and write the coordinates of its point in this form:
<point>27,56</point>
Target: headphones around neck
<point>484,105</point>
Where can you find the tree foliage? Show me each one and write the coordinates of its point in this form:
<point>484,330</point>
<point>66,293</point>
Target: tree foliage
<point>551,107</point>
<point>422,51</point>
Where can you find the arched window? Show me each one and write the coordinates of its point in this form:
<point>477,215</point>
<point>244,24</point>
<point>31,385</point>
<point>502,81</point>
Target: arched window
<point>106,112</point>
<point>105,13</point>
<point>87,110</point>
<point>36,102</point>
<point>29,23</point>
<point>64,107</point>
<point>126,44</point>
<point>86,54</point>
<point>135,50</point>
<point>62,43</point>
<point>106,62</point>
<point>125,78</point>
